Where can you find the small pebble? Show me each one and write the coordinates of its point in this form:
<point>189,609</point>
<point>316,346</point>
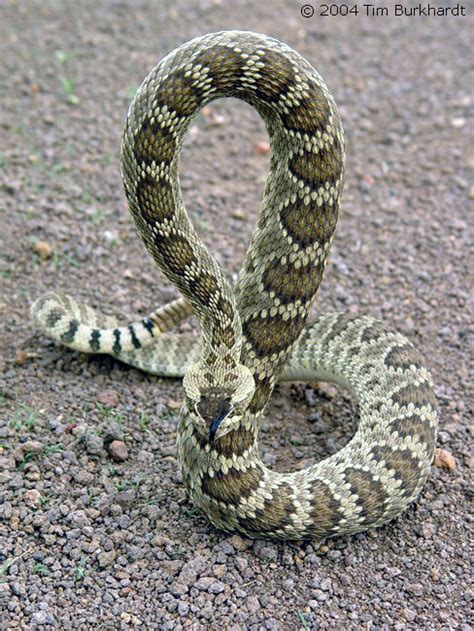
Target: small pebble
<point>108,397</point>
<point>262,147</point>
<point>443,459</point>
<point>32,498</point>
<point>43,250</point>
<point>118,450</point>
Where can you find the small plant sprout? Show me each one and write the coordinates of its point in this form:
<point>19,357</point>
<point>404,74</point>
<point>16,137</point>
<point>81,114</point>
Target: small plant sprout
<point>80,569</point>
<point>41,569</point>
<point>67,84</point>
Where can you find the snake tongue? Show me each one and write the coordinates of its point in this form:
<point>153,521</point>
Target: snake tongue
<point>221,413</point>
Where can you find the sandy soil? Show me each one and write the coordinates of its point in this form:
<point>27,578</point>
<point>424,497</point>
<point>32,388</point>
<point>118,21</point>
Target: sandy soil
<point>90,543</point>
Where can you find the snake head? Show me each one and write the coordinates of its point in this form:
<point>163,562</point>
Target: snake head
<point>218,408</point>
<point>213,408</point>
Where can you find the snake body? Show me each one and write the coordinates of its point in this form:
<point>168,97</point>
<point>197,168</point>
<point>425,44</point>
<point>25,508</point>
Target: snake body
<point>255,333</point>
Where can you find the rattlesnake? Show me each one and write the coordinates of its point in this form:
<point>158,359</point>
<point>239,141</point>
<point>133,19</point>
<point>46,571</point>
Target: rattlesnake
<point>254,334</point>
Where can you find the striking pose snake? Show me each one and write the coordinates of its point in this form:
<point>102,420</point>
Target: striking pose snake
<point>254,333</point>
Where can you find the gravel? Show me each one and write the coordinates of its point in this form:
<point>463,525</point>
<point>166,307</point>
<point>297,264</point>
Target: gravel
<point>95,528</point>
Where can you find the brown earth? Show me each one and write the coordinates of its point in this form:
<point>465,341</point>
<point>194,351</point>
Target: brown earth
<point>97,537</point>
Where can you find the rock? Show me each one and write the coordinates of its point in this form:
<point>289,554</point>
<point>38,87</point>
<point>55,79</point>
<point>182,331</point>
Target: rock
<point>204,583</point>
<point>409,614</point>
<point>18,589</point>
<point>7,464</point>
<point>125,498</point>
<point>178,589</point>
<point>31,447</point>
<point>213,116</point>
<point>328,390</point>
<point>416,589</point>
<point>226,548</point>
<point>124,521</point>
<point>319,595</point>
<point>216,587</point>
<point>83,477</point>
<point>134,552</point>
<point>39,617</point>
<point>326,585</point>
<point>118,450</point>
<point>21,357</point>
<point>262,147</point>
<point>5,591</point>
<point>443,459</point>
<point>15,482</point>
<point>318,426</point>
<point>32,498</point>
<point>106,558</point>
<point>192,569</point>
<point>219,570</point>
<point>238,214</point>
<point>160,540</point>
<point>435,574</point>
<point>266,551</point>
<point>253,604</point>
<point>79,519</point>
<point>311,398</point>
<point>241,563</point>
<point>94,444</point>
<point>110,236</point>
<point>238,543</point>
<point>172,567</point>
<point>108,397</point>
<point>43,250</point>
<point>114,432</point>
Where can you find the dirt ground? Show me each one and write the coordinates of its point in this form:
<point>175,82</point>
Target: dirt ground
<point>90,543</point>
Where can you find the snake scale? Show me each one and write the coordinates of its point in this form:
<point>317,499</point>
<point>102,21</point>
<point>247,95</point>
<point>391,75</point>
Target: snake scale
<point>254,333</point>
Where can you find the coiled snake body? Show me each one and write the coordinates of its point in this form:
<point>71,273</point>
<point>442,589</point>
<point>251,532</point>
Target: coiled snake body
<point>254,334</point>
